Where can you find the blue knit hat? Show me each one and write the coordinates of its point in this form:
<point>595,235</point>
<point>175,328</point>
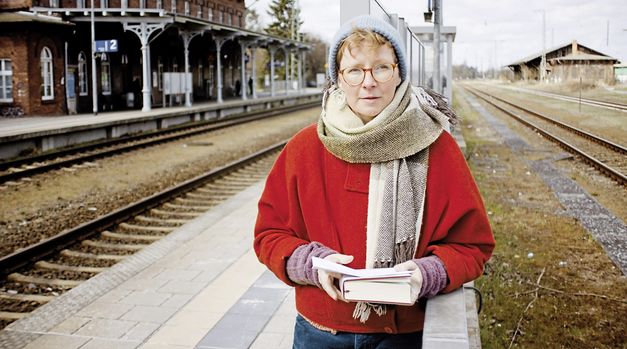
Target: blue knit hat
<point>373,24</point>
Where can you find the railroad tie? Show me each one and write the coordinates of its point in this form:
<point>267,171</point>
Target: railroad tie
<point>191,215</point>
<point>136,227</point>
<point>17,277</point>
<point>77,254</point>
<point>161,220</point>
<point>122,247</point>
<point>126,237</point>
<point>61,267</point>
<point>187,208</point>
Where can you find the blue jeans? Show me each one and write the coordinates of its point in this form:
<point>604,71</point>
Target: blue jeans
<point>308,337</point>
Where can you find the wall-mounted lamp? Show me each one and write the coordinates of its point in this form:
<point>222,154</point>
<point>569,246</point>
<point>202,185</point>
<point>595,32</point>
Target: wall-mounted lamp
<point>429,14</point>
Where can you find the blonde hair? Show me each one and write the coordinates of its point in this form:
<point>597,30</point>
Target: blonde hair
<point>362,38</point>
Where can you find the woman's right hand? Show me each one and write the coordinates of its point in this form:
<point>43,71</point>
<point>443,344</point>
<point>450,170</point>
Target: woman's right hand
<point>327,279</point>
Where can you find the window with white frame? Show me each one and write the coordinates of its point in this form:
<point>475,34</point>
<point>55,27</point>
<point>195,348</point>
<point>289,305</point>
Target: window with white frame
<point>47,74</point>
<point>80,3</point>
<point>159,4</point>
<point>54,3</point>
<point>6,81</point>
<point>82,74</point>
<point>221,17</point>
<point>105,74</point>
<point>104,3</point>
<point>210,14</point>
<point>187,7</point>
<point>229,19</point>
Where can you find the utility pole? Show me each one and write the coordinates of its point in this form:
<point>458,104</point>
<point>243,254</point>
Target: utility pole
<point>94,88</point>
<point>437,23</point>
<point>607,39</point>
<point>543,63</point>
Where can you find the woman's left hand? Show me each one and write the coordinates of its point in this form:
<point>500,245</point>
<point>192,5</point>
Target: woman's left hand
<point>416,277</point>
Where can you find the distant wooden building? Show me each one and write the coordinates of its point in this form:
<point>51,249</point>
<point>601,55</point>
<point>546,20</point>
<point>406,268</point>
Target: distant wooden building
<point>567,62</point>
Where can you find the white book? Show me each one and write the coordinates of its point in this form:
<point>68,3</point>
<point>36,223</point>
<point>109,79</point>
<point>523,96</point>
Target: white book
<point>381,285</point>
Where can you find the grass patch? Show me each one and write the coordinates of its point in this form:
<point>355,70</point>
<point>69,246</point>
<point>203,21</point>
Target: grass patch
<point>579,301</point>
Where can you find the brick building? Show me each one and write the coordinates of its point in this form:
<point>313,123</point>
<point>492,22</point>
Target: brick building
<point>158,52</point>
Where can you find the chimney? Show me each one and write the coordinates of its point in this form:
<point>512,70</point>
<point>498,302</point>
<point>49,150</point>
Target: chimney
<point>574,47</point>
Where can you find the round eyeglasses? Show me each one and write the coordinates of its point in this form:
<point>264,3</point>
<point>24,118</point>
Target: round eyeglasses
<point>380,72</point>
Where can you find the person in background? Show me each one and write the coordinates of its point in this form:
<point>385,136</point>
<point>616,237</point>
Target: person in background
<point>250,86</point>
<point>377,182</point>
<point>238,87</point>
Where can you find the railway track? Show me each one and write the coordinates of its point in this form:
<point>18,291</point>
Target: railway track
<point>17,169</point>
<point>37,274</point>
<point>593,102</point>
<point>608,157</point>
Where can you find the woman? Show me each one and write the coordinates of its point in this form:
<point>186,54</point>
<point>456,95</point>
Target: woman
<point>378,182</point>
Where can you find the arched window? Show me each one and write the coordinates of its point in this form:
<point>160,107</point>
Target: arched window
<point>105,74</point>
<point>82,75</point>
<point>47,76</point>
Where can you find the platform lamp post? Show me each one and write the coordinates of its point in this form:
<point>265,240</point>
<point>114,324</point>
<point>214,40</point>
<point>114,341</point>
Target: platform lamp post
<point>94,88</point>
<point>434,13</point>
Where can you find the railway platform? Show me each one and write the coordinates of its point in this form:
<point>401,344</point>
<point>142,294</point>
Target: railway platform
<point>19,136</point>
<point>200,287</point>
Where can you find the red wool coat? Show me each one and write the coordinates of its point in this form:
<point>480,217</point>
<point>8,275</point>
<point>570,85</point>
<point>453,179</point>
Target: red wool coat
<point>310,195</point>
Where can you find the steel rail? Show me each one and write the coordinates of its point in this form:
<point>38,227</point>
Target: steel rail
<point>607,170</point>
<point>592,102</point>
<point>597,139</point>
<point>54,244</point>
<point>143,140</point>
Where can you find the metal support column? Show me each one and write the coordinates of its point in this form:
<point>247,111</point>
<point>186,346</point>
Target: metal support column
<point>94,79</point>
<point>437,23</point>
<point>449,69</point>
<point>287,71</point>
<point>254,73</point>
<point>300,71</point>
<point>243,84</point>
<point>219,40</point>
<point>187,38</point>
<point>272,50</point>
<point>143,32</point>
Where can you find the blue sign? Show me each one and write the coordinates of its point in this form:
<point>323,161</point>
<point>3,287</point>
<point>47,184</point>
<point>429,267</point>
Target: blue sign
<point>107,45</point>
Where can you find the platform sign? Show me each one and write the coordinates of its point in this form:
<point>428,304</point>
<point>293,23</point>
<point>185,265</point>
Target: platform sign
<point>107,45</point>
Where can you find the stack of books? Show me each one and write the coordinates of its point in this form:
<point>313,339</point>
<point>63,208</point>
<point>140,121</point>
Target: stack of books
<point>383,285</point>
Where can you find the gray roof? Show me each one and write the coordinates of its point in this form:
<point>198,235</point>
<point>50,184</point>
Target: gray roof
<point>583,57</point>
<point>22,16</point>
<point>555,48</point>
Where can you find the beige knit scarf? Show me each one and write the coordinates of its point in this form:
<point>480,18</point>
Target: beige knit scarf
<point>395,143</point>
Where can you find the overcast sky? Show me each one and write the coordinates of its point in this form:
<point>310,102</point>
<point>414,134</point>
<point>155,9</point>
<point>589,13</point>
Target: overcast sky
<point>493,32</point>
